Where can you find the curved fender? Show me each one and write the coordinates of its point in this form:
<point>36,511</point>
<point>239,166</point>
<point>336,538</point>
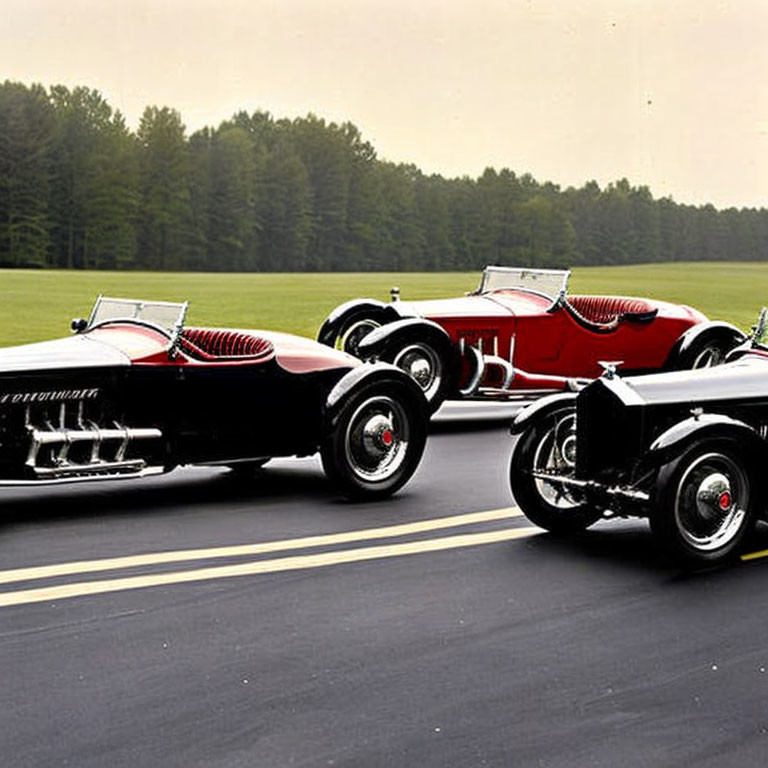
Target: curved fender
<point>365,374</point>
<point>413,329</point>
<point>541,408</point>
<point>666,445</point>
<point>692,335</point>
<point>333,324</point>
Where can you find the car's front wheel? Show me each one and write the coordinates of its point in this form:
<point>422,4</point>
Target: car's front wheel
<point>423,363</point>
<point>547,449</point>
<point>704,503</point>
<point>354,331</point>
<point>377,441</point>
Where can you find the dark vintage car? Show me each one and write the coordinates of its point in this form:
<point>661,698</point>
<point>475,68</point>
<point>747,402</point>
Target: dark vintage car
<point>687,450</point>
<point>521,333</point>
<point>135,392</point>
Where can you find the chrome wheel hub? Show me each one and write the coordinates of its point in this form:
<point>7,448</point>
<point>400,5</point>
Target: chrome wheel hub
<point>379,435</point>
<point>376,438</point>
<point>423,365</point>
<point>713,498</point>
<point>420,370</point>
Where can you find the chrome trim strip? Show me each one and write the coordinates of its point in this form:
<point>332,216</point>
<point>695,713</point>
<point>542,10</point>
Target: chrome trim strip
<point>132,467</point>
<point>509,371</point>
<point>147,471</point>
<point>477,376</point>
<point>591,485</point>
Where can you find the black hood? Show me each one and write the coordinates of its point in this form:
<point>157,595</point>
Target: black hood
<point>743,379</point>
<point>72,352</point>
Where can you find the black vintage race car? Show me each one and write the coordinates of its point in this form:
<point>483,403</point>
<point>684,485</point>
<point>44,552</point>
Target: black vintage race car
<point>687,450</point>
<point>135,392</point>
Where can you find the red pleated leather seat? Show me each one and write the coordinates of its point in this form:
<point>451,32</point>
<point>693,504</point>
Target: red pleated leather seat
<point>207,344</point>
<point>604,310</point>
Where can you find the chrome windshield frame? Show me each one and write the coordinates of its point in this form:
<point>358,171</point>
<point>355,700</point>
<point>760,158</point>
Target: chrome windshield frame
<point>521,278</point>
<point>141,313</point>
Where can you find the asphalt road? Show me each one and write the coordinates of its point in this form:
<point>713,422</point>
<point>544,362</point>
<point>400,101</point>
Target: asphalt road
<point>272,624</point>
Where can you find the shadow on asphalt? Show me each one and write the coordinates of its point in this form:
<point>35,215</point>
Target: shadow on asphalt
<point>195,486</point>
<point>628,546</point>
<point>458,426</point>
<point>182,489</point>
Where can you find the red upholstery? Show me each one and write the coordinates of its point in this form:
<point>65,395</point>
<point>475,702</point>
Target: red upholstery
<point>607,309</point>
<point>221,344</point>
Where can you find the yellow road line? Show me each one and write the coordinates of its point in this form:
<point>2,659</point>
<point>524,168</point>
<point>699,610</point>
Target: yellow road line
<point>61,592</point>
<point>755,555</point>
<point>155,558</point>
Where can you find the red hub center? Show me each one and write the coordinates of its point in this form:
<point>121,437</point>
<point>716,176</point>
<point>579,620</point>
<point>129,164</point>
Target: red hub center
<point>724,500</point>
<point>387,437</point>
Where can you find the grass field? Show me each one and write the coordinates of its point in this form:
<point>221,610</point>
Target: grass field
<point>37,305</point>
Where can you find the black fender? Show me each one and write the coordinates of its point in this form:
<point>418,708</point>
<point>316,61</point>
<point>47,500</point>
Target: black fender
<point>362,375</point>
<point>414,329</point>
<point>697,335</point>
<point>707,425</point>
<point>340,317</point>
<point>540,409</point>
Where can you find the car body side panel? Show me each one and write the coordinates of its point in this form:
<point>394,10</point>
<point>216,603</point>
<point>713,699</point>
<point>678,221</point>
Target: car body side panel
<point>558,344</point>
<point>521,327</point>
<point>214,413</point>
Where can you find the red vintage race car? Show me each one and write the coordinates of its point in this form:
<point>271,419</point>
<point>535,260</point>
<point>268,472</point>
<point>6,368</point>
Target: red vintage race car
<point>521,333</point>
<point>135,392</point>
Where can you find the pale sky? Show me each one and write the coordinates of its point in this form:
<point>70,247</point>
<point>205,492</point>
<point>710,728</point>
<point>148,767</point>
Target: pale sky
<point>672,94</point>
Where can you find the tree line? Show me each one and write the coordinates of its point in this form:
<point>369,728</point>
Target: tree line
<point>79,190</point>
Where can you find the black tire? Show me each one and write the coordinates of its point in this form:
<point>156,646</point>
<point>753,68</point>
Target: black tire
<point>704,503</point>
<point>355,329</point>
<point>708,350</point>
<point>423,362</point>
<point>549,445</point>
<point>376,442</point>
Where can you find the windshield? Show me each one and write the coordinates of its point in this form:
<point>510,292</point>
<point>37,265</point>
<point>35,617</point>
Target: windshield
<point>165,314</point>
<point>546,282</point>
<point>760,336</point>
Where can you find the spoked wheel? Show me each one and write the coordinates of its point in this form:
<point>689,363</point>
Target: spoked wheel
<point>377,442</point>
<point>350,338</point>
<point>704,503</point>
<point>548,447</point>
<point>423,364</point>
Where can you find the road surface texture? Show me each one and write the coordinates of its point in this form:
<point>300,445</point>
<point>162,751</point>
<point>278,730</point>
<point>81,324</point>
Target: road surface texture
<point>201,620</point>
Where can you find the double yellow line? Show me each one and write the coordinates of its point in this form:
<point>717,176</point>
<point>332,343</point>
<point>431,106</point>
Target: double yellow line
<point>296,562</point>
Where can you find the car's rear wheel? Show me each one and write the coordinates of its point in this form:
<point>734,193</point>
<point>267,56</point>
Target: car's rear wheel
<point>704,503</point>
<point>548,447</point>
<point>710,354</point>
<point>377,441</point>
<point>708,350</point>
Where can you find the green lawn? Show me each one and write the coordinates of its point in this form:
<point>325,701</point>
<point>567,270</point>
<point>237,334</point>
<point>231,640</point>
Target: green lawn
<point>36,305</point>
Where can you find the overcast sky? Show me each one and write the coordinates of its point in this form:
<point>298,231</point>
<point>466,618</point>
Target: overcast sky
<point>668,93</point>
